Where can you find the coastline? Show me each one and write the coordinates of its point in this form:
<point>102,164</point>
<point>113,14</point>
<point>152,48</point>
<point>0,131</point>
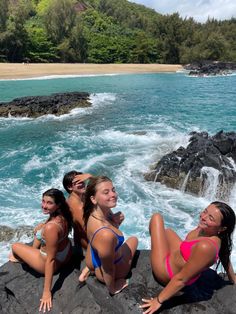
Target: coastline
<point>33,70</point>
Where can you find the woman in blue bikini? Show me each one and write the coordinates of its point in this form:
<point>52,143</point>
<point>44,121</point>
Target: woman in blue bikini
<point>107,254</point>
<point>176,263</point>
<point>51,247</point>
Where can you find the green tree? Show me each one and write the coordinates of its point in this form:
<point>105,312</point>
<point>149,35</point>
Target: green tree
<point>59,19</point>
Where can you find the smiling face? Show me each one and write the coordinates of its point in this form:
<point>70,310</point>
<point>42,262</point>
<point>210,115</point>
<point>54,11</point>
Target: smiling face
<point>105,196</point>
<point>48,205</point>
<point>210,221</point>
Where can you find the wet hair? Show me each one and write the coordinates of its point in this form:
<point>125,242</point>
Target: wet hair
<point>91,191</point>
<point>60,200</point>
<point>68,178</point>
<point>226,235</point>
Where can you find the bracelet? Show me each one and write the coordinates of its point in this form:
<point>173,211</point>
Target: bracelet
<point>159,300</point>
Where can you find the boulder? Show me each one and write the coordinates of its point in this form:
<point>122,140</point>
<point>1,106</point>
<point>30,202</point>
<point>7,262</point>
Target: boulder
<point>8,233</point>
<point>36,106</point>
<point>21,289</point>
<point>206,165</point>
<point>206,67</point>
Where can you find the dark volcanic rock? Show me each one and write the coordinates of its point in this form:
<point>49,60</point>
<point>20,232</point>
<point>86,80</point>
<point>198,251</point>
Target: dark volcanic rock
<point>204,68</point>
<point>21,288</point>
<point>8,233</point>
<point>36,106</point>
<point>207,165</point>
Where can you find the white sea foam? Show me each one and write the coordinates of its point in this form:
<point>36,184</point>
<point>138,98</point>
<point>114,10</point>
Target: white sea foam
<point>52,77</point>
<point>97,100</point>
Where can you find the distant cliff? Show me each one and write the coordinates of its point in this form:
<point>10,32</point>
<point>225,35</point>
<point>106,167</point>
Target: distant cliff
<point>21,289</point>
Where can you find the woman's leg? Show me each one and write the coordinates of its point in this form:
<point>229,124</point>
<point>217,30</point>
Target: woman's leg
<point>84,274</point>
<point>160,247</point>
<point>128,250</point>
<point>30,256</point>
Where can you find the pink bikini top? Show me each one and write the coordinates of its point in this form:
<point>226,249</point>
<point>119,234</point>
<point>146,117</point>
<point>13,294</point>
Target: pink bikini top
<point>186,247</point>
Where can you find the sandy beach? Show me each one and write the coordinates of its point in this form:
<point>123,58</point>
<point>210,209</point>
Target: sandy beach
<point>30,70</point>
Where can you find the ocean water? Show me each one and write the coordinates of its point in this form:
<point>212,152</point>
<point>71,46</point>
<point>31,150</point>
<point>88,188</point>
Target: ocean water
<point>134,120</point>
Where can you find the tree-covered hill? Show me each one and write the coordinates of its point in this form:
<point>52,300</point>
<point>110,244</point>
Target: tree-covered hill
<point>108,31</point>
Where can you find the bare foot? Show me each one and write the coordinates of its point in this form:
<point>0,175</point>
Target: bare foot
<point>13,259</point>
<point>84,274</point>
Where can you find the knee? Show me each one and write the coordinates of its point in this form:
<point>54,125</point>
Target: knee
<point>15,247</point>
<point>155,219</point>
<point>134,241</point>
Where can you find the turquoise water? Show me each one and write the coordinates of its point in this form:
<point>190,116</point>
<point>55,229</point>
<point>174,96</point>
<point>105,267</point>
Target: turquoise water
<point>134,120</point>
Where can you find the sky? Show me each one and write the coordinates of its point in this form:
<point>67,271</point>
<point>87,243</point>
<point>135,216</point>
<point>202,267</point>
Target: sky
<point>200,10</point>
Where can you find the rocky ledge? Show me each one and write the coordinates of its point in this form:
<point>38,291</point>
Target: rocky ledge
<point>205,166</point>
<point>36,106</point>
<point>206,68</point>
<point>21,288</point>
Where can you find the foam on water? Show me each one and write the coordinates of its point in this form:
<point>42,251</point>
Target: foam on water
<point>130,126</point>
<point>51,77</point>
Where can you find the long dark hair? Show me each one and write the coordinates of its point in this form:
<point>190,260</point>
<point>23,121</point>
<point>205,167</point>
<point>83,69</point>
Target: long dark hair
<point>91,191</point>
<point>60,200</point>
<point>226,235</point>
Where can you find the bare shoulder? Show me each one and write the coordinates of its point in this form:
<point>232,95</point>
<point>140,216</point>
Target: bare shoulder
<point>51,228</point>
<point>206,247</point>
<point>105,237</point>
<point>74,203</point>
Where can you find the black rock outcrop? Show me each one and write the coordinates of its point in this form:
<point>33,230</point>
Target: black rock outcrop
<point>206,165</point>
<point>205,68</point>
<point>21,289</point>
<point>8,233</point>
<point>36,106</point>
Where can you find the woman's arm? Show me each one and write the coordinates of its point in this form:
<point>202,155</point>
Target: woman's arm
<point>230,273</point>
<point>51,236</point>
<point>202,256</point>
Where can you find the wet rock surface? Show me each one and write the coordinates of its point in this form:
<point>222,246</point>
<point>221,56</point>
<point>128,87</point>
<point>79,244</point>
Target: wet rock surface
<point>206,165</point>
<point>8,233</point>
<point>21,289</point>
<point>36,106</point>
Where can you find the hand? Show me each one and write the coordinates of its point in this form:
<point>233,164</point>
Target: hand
<point>46,302</point>
<point>150,305</point>
<point>79,178</point>
<point>120,284</point>
<point>38,227</point>
<point>118,218</point>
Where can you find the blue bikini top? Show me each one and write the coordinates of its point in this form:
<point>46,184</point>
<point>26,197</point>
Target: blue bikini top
<point>120,239</point>
<point>95,258</point>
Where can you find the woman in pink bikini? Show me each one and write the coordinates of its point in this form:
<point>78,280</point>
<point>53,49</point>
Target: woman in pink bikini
<point>176,263</point>
<point>51,247</point>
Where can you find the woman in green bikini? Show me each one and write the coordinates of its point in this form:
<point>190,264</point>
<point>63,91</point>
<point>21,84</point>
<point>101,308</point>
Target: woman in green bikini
<point>51,247</point>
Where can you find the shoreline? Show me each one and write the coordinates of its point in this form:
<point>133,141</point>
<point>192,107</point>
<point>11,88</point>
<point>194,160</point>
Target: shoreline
<point>33,70</point>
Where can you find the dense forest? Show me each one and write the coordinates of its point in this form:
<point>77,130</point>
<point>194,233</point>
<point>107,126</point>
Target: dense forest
<point>108,31</point>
